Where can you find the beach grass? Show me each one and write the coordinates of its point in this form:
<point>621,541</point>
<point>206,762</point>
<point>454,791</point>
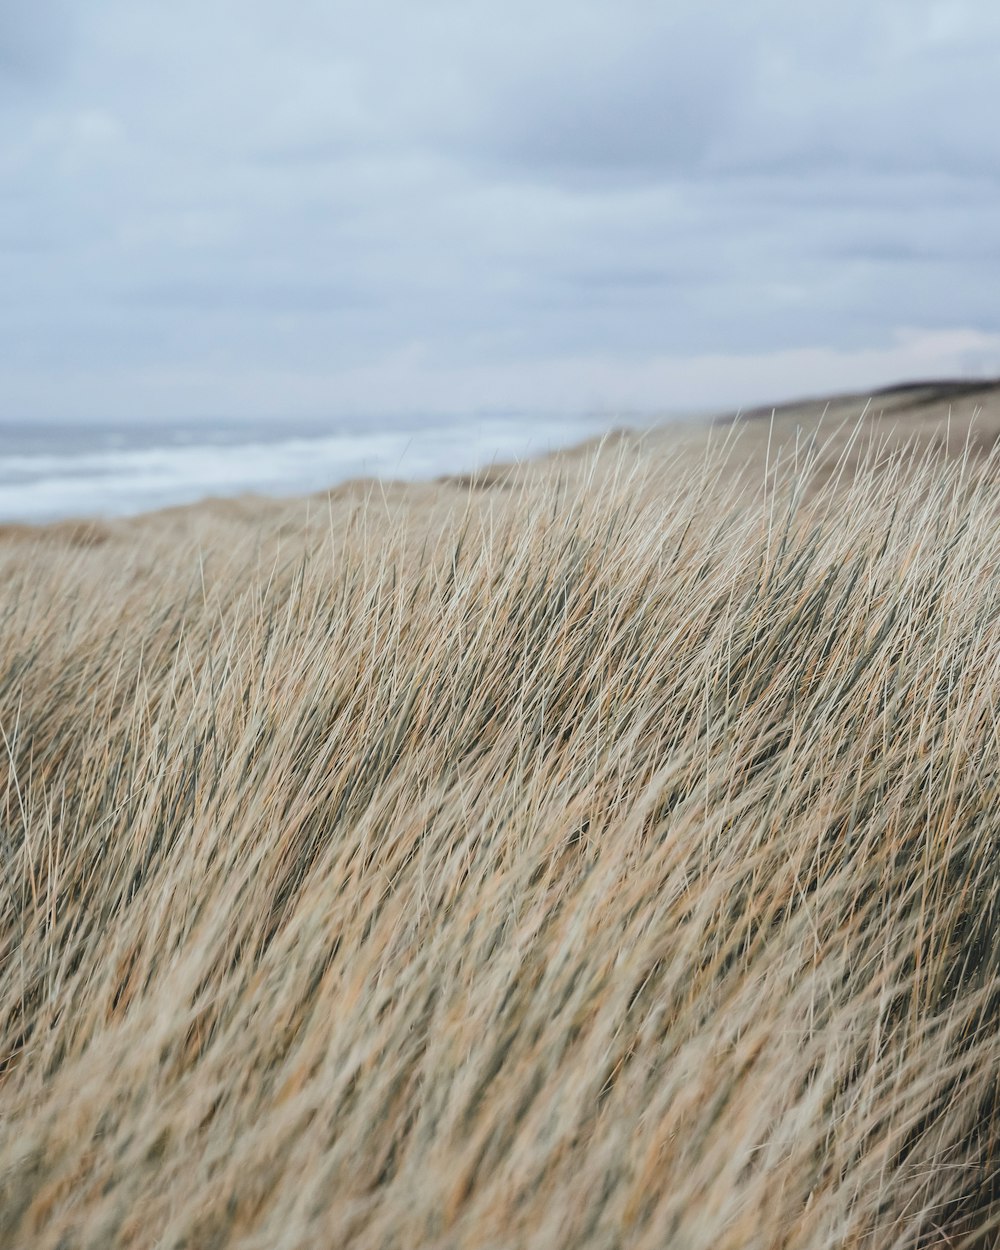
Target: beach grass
<point>607,858</point>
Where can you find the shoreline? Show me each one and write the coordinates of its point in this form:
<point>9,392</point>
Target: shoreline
<point>926,412</point>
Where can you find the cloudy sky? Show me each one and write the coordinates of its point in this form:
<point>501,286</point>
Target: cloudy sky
<point>232,207</point>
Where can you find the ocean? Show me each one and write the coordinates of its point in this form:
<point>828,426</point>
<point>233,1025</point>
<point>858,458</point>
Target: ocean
<point>51,470</point>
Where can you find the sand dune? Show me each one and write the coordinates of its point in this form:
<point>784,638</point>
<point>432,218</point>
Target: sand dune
<point>596,852</point>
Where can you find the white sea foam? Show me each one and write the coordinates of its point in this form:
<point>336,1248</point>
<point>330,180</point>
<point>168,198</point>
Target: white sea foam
<point>73,471</point>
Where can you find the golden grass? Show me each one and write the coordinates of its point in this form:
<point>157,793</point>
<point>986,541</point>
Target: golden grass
<point>610,860</point>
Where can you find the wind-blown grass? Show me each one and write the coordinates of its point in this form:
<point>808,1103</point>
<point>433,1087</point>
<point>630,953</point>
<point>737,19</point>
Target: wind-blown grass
<point>610,862</point>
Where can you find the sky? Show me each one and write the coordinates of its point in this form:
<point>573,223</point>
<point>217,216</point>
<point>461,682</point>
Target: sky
<point>236,208</point>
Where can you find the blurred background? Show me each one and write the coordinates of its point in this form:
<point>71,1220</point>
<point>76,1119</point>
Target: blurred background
<point>246,246</point>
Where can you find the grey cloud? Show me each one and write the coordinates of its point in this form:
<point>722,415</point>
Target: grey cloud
<point>726,89</point>
<point>35,42</point>
<point>647,109</point>
<point>321,187</point>
<point>235,295</point>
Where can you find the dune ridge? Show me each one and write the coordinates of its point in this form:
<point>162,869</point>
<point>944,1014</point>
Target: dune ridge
<point>603,855</point>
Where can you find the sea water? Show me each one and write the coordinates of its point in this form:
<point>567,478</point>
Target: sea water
<point>50,470</point>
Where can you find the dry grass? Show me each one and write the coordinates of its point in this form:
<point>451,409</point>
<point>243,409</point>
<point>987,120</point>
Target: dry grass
<point>610,860</point>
